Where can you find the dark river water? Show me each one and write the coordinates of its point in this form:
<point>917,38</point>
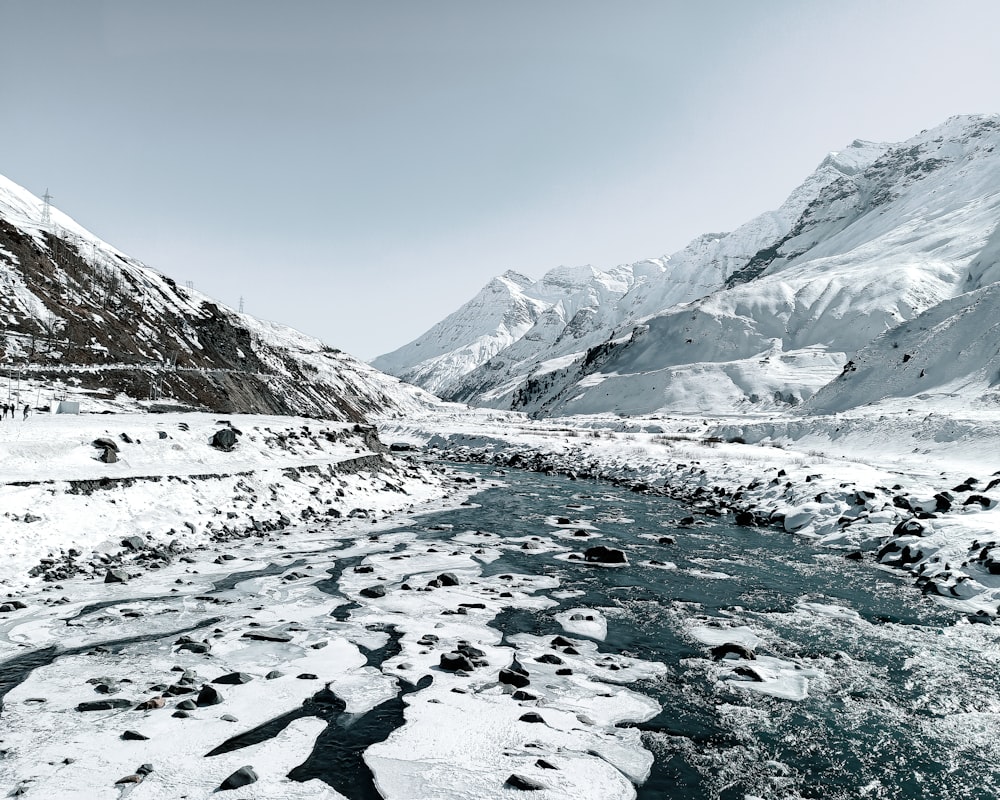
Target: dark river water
<point>906,703</point>
<point>902,695</point>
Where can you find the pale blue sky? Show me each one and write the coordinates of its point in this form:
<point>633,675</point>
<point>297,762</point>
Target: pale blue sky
<point>359,169</point>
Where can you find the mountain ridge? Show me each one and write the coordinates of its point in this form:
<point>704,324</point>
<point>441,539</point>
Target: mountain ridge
<point>765,316</point>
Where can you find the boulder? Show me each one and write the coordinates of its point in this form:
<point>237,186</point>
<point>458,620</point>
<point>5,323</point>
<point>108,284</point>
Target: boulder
<point>244,776</point>
<point>373,592</point>
<point>234,678</point>
<point>104,705</point>
<point>604,555</point>
<point>133,543</point>
<point>516,781</point>
<point>447,579</point>
<point>224,439</point>
<point>209,696</point>
<point>105,443</point>
<point>732,649</point>
<point>453,662</point>
<point>134,736</point>
<point>115,576</point>
<point>511,678</point>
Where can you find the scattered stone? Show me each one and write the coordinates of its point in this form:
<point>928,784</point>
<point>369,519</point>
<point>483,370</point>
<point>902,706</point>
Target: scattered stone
<point>209,696</point>
<point>104,705</point>
<point>453,662</point>
<point>532,716</point>
<point>244,776</point>
<point>732,649</point>
<point>224,439</point>
<point>447,579</point>
<point>116,576</point>
<point>511,678</point>
<point>234,678</point>
<point>307,676</point>
<point>604,555</point>
<point>373,592</point>
<point>516,781</point>
<point>134,736</point>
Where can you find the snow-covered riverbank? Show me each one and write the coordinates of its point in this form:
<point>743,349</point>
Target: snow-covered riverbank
<point>913,490</point>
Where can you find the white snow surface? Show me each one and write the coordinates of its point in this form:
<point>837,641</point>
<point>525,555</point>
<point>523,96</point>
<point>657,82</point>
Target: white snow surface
<point>767,316</point>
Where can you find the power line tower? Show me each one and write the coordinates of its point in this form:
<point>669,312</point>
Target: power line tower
<point>241,304</point>
<point>189,284</point>
<point>46,208</point>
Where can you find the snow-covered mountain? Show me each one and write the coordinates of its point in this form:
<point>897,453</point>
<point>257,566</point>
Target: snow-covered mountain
<point>510,309</point>
<point>767,315</point>
<point>78,312</point>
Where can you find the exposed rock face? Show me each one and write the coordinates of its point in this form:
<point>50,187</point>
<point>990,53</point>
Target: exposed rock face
<point>117,326</point>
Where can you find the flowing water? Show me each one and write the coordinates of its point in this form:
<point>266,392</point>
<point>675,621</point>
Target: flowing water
<point>899,696</point>
<point>904,703</point>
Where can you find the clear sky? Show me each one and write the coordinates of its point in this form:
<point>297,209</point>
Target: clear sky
<point>358,169</point>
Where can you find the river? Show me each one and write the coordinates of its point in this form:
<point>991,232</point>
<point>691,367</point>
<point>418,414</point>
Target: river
<point>862,686</point>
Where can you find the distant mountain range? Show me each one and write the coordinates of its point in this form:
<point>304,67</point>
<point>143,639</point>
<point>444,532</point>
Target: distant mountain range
<point>876,278</point>
<point>78,311</point>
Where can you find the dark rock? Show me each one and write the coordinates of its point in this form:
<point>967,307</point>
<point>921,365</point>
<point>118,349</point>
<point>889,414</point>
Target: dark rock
<point>524,784</point>
<point>195,647</point>
<point>548,658</point>
<point>244,776</point>
<point>855,555</point>
<point>543,764</point>
<point>115,576</point>
<point>447,579</point>
<point>453,662</point>
<point>234,678</point>
<point>151,705</point>
<point>522,696</point>
<point>104,705</point>
<point>532,716</point>
<point>134,736</point>
<point>373,592</point>
<point>105,443</point>
<point>748,672</point>
<point>129,779</point>
<point>732,648</point>
<point>745,518</point>
<point>273,675</point>
<point>133,543</point>
<point>187,705</point>
<point>511,678</point>
<point>981,499</point>
<point>306,676</point>
<point>268,636</point>
<point>224,439</point>
<point>209,696</point>
<point>604,555</point>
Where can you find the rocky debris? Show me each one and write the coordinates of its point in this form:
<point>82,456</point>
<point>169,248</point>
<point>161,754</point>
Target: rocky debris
<point>515,676</point>
<point>728,649</point>
<point>516,781</point>
<point>455,662</point>
<point>104,705</point>
<point>12,605</point>
<point>115,576</point>
<point>234,678</point>
<point>244,776</point>
<point>208,696</point>
<point>224,439</point>
<point>373,592</point>
<point>600,554</point>
<point>133,543</point>
<point>273,635</point>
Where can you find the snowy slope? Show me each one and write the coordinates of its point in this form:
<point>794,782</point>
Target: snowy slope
<point>602,310</point>
<point>950,351</point>
<point>510,308</point>
<point>767,315</point>
<point>78,311</point>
